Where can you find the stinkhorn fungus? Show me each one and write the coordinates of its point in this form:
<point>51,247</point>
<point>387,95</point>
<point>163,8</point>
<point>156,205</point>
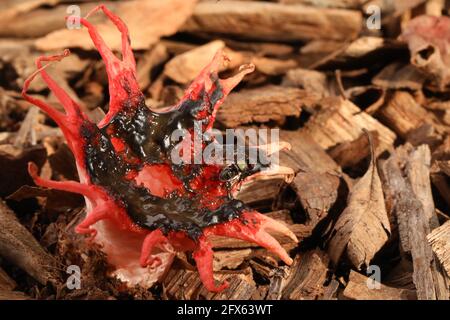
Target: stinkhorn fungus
<point>141,206</point>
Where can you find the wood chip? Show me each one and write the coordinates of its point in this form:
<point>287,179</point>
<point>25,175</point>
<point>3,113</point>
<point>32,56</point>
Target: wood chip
<point>350,153</point>
<point>399,76</point>
<point>230,259</point>
<point>186,66</point>
<point>307,276</point>
<point>310,80</point>
<point>305,154</point>
<point>18,246</point>
<point>147,21</point>
<point>415,218</point>
<point>262,105</point>
<point>358,288</point>
<point>439,240</point>
<point>272,21</point>
<point>340,120</point>
<point>403,114</point>
<point>317,192</point>
<point>148,62</point>
<point>186,285</point>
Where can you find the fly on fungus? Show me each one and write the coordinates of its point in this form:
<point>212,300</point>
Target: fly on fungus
<point>142,207</point>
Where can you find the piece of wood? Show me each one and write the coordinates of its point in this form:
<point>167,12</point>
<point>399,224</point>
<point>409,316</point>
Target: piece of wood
<point>272,21</point>
<point>330,291</point>
<point>439,239</point>
<point>363,227</point>
<point>358,288</point>
<point>350,153</point>
<point>340,121</point>
<point>151,59</point>
<point>230,259</point>
<point>18,246</point>
<point>345,4</point>
<point>277,283</point>
<point>317,176</point>
<point>403,114</point>
<point>182,284</point>
<point>363,52</point>
<point>6,294</point>
<point>426,133</point>
<point>307,276</point>
<point>147,21</point>
<point>310,80</point>
<point>418,172</point>
<point>317,192</point>
<point>414,218</point>
<point>262,105</point>
<point>399,76</point>
<point>305,154</point>
<point>272,66</point>
<point>185,67</point>
<point>258,193</point>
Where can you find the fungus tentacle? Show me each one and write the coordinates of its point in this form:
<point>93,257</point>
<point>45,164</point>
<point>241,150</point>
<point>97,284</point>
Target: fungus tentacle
<point>69,186</point>
<point>154,238</point>
<point>203,256</point>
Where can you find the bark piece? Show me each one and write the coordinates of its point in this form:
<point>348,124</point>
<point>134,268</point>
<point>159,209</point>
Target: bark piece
<point>350,153</point>
<point>317,176</point>
<point>317,192</point>
<point>262,104</point>
<point>330,291</point>
<point>186,66</point>
<point>182,284</point>
<point>272,21</point>
<point>415,215</point>
<point>259,192</point>
<point>307,276</point>
<point>439,240</point>
<point>230,259</point>
<point>340,121</point>
<point>399,76</point>
<point>152,58</point>
<point>147,21</point>
<point>310,80</point>
<point>360,53</point>
<point>345,4</point>
<point>6,294</point>
<point>403,114</point>
<point>28,22</point>
<point>363,228</point>
<point>19,247</point>
<point>305,154</point>
<point>273,67</point>
<point>358,289</point>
